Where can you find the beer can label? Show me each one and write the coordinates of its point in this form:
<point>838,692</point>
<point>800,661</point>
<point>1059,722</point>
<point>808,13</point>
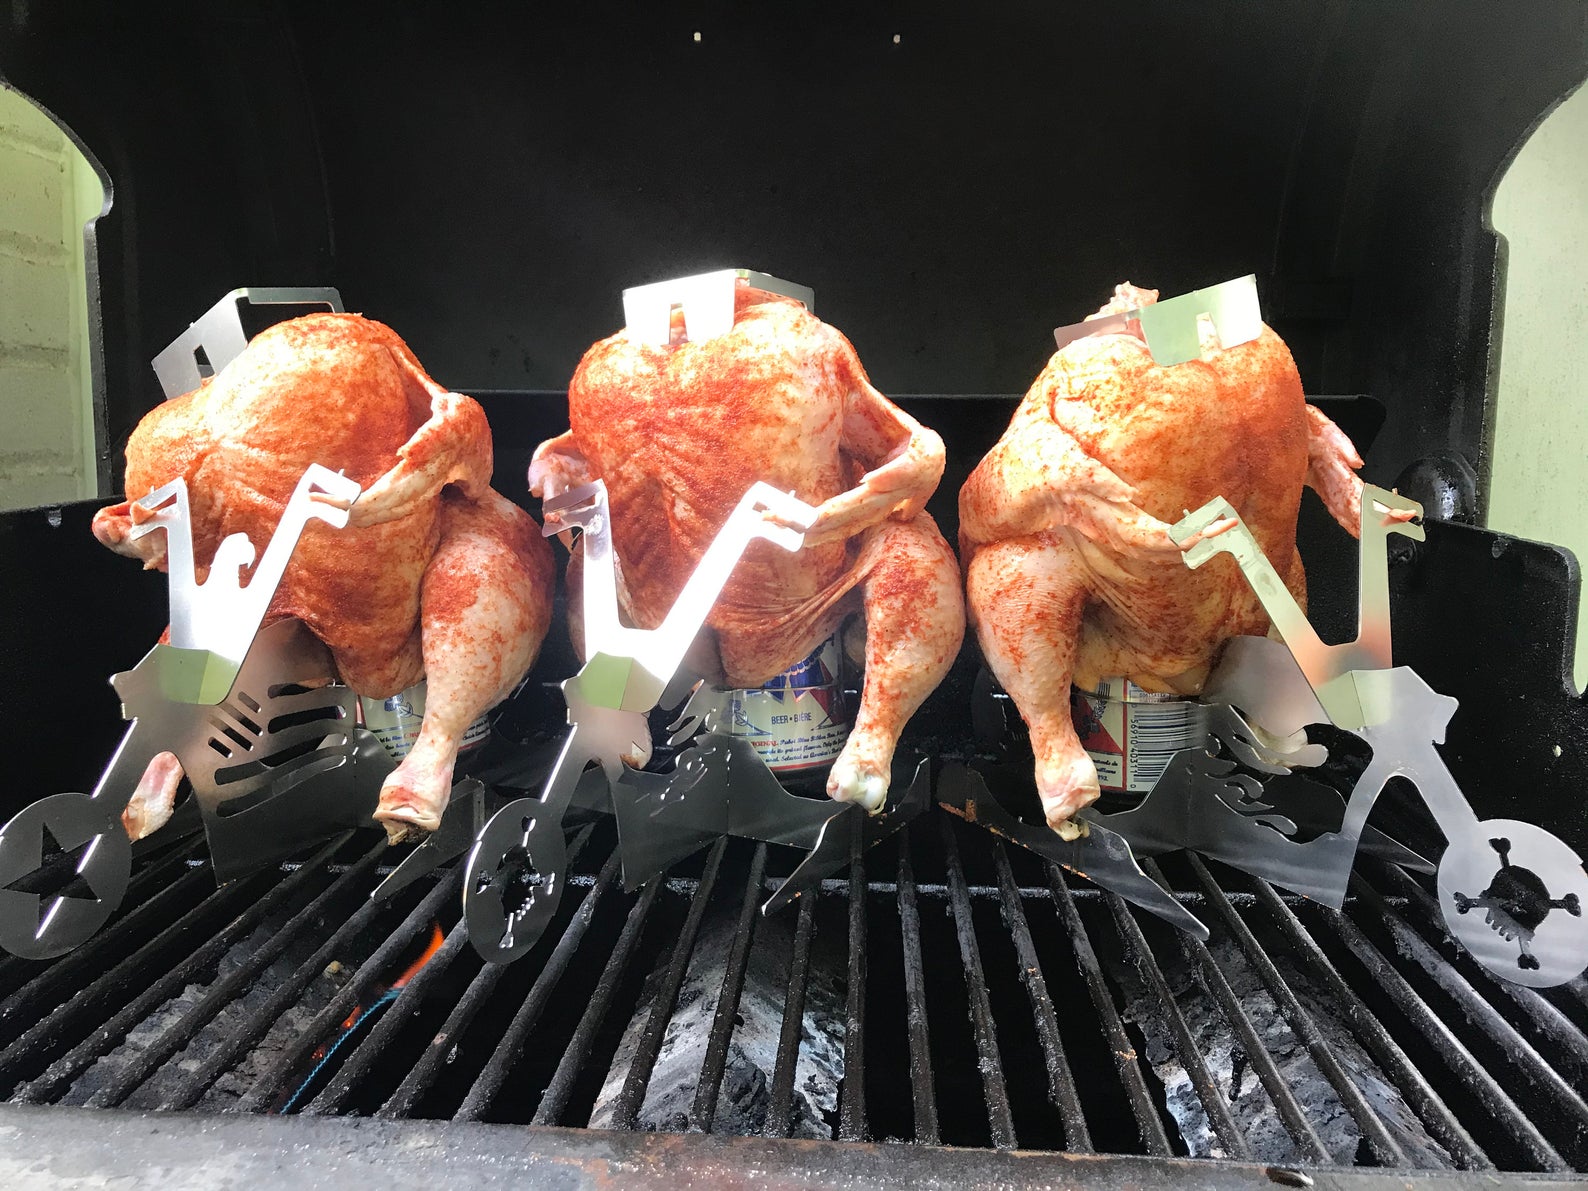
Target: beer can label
<point>1131,734</point>
<point>799,721</point>
<point>395,722</point>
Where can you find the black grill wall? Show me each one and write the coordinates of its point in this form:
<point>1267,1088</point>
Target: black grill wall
<point>952,183</point>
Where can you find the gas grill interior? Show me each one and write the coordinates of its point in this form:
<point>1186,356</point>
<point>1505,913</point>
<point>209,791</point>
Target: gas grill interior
<point>952,187</point>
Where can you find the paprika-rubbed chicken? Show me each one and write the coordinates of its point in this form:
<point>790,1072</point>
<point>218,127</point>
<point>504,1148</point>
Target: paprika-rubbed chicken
<point>1070,572</point>
<point>679,432</point>
<point>436,576</point>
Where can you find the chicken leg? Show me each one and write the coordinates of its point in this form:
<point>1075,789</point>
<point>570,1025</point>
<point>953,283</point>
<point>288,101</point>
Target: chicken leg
<point>484,609</point>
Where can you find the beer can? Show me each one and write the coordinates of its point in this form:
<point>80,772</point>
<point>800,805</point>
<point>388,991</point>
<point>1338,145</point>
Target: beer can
<point>799,720</point>
<point>395,722</point>
<point>1130,734</point>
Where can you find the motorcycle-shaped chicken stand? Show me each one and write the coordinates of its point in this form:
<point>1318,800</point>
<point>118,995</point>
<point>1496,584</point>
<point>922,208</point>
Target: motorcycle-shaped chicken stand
<point>1528,884</point>
<point>255,717</point>
<point>515,874</point>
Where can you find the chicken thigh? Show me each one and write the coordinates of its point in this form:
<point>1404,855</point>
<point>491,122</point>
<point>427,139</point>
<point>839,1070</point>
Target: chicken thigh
<point>1070,573</point>
<point>679,432</point>
<point>436,576</point>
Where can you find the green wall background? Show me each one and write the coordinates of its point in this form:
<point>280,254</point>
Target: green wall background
<point>1540,463</point>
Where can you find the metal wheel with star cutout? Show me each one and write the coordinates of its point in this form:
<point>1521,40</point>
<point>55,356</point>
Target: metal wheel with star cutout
<point>51,903</point>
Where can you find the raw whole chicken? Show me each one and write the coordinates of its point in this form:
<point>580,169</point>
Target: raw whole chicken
<point>679,432</point>
<point>436,576</point>
<point>1070,572</point>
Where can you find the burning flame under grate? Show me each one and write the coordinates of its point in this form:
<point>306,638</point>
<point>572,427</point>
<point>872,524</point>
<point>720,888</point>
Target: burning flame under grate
<point>961,992</point>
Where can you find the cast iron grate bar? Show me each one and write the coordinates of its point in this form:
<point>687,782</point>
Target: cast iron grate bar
<point>922,1089</point>
<point>374,1047</point>
<point>1126,1061</point>
<point>61,1073</point>
<point>1456,1057</point>
<point>35,1045</point>
<point>780,1110</point>
<point>426,1070</point>
<point>1385,1149</point>
<point>507,1052</point>
<point>626,1110</point>
<point>1061,1081</point>
<point>1477,1010</point>
<point>265,1089</point>
<point>852,1109</point>
<point>150,879</point>
<point>193,1086</point>
<point>1190,1055</point>
<point>67,972</point>
<point>1432,1110</point>
<point>703,1112</point>
<point>1278,1088</point>
<point>1578,988</point>
<point>1546,1018</point>
<point>554,1101</point>
<point>141,1066</point>
<point>996,1093</point>
<point>1384,969</point>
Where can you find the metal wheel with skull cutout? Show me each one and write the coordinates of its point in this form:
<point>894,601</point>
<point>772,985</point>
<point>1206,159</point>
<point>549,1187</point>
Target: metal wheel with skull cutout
<point>1513,895</point>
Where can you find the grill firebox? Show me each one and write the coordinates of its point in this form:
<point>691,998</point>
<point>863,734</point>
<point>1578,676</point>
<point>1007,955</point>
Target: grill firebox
<point>987,1001</point>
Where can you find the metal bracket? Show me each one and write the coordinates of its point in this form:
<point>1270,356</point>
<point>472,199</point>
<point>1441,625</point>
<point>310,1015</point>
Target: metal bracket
<point>719,784</point>
<point>514,877</point>
<point>254,717</point>
<point>1100,855</point>
<point>1173,327</point>
<point>1203,803</point>
<point>835,843</point>
<point>612,680</point>
<point>1326,667</point>
<point>1531,930</point>
<point>221,616</point>
<point>706,299</point>
<point>277,765</point>
<point>218,334</point>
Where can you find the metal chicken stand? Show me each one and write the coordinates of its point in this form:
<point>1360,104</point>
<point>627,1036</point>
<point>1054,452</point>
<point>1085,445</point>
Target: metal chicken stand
<point>260,726</point>
<point>719,785</point>
<point>1202,802</point>
<point>1511,893</point>
<point>261,729</point>
<point>217,336</point>
<point>1173,327</point>
<point>706,300</point>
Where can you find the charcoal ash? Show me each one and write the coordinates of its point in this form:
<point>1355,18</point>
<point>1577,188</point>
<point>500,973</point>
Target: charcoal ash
<point>286,1030</point>
<point>744,1095</point>
<point>238,1013</point>
<point>1231,1069</point>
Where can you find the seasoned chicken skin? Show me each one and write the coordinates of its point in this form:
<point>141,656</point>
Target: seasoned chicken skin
<point>678,433</point>
<point>1070,572</point>
<point>436,576</point>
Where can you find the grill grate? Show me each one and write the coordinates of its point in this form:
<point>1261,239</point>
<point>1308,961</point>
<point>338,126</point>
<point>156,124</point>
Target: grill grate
<point>1006,1004</point>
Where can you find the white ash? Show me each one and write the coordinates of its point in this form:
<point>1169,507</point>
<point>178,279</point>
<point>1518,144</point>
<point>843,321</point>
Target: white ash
<point>1232,1072</point>
<point>745,1092</point>
<point>239,1012</point>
